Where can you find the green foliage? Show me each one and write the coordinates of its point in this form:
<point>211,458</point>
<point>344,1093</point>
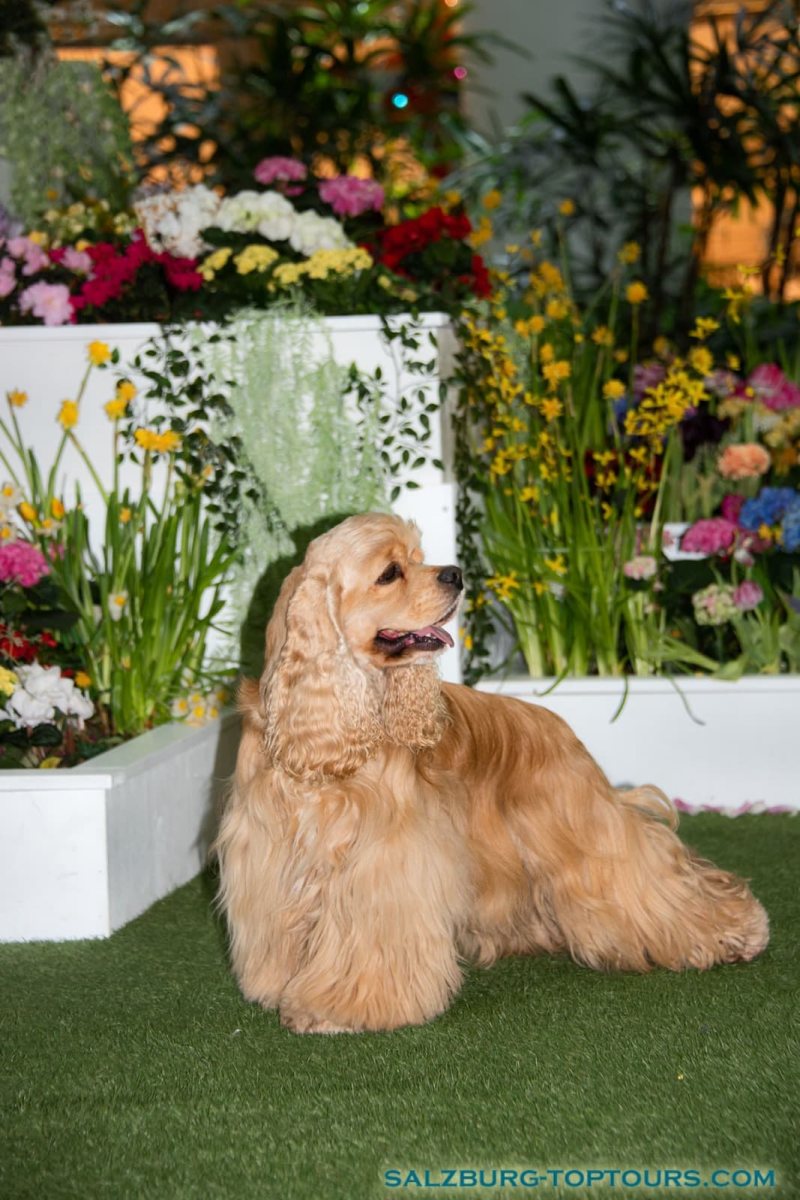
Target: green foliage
<point>64,136</point>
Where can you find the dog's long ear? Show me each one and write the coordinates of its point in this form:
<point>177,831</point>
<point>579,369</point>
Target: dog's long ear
<point>322,713</point>
<point>414,711</point>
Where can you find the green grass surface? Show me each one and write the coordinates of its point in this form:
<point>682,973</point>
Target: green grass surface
<point>133,1068</point>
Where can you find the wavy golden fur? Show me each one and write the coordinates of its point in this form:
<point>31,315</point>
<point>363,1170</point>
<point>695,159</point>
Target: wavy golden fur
<point>383,826</point>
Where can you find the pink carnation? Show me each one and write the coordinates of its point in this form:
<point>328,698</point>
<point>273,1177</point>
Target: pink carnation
<point>20,562</point>
<point>713,535</point>
<point>350,196</point>
<point>76,260</point>
<point>772,388</point>
<point>746,460</point>
<point>277,169</point>
<point>747,596</point>
<point>48,301</point>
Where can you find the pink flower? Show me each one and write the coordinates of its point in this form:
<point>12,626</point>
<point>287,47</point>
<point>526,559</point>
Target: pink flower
<point>713,535</point>
<point>350,196</point>
<point>8,277</point>
<point>731,507</point>
<point>744,461</point>
<point>49,301</point>
<point>76,260</point>
<point>643,566</point>
<point>273,169</point>
<point>747,596</point>
<point>20,562</point>
<point>33,257</point>
<point>772,388</point>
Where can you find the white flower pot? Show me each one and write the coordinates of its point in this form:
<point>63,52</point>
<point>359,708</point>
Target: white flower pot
<point>734,747</point>
<point>88,849</point>
<point>48,364</point>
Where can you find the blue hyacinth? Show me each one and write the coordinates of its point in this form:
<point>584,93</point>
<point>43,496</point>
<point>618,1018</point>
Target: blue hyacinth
<point>767,508</point>
<point>791,526</point>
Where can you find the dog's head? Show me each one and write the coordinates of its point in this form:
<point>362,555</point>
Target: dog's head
<point>350,648</point>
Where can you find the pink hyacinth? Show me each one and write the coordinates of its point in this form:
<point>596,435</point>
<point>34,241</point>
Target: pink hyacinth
<point>279,170</point>
<point>713,535</point>
<point>48,301</point>
<point>350,196</point>
<point>20,562</point>
<point>747,596</point>
<point>773,389</point>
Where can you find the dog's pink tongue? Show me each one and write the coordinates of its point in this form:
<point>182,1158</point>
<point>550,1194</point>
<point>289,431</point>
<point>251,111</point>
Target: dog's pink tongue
<point>433,631</point>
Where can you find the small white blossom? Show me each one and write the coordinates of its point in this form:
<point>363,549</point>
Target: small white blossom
<point>174,221</point>
<point>312,232</point>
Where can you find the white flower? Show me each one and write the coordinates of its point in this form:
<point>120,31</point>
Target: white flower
<point>268,212</point>
<point>312,232</point>
<point>42,692</point>
<point>116,605</point>
<point>10,496</point>
<point>179,708</point>
<point>174,221</point>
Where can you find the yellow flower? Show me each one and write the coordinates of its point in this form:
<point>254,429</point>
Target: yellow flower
<point>116,408</point>
<point>159,443</point>
<point>613,389</point>
<point>38,237</point>
<point>56,508</point>
<point>451,198</point>
<point>98,353</point>
<point>704,327</point>
<point>629,254</point>
<point>27,512</point>
<point>621,356</point>
<point>551,408</point>
<point>556,565</point>
<point>702,360</point>
<point>636,292</point>
<point>215,262</point>
<point>492,199</point>
<point>536,324</point>
<point>556,371</point>
<point>546,353</point>
<point>255,258</point>
<point>481,234</point>
<point>288,273</point>
<point>16,398</point>
<point>531,493</point>
<point>567,208</point>
<point>603,336</point>
<point>126,390</point>
<point>125,515</point>
<point>8,681</point>
<point>737,299</point>
<point>557,309</point>
<point>6,533</point>
<point>536,237</point>
<point>82,680</point>
<point>68,414</point>
<point>733,361</point>
<point>662,347</point>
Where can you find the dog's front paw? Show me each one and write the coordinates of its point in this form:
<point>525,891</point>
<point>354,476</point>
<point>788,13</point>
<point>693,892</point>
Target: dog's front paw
<point>299,1022</point>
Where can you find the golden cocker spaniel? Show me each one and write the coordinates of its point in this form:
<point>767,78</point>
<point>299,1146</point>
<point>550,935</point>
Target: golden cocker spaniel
<point>382,825</point>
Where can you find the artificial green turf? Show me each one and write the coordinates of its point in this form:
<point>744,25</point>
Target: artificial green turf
<point>133,1068</point>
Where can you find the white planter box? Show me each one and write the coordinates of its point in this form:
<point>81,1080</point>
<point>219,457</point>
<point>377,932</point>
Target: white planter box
<point>49,364</point>
<point>88,849</point>
<point>740,748</point>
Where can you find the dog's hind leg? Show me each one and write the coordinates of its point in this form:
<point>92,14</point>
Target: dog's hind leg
<point>621,886</point>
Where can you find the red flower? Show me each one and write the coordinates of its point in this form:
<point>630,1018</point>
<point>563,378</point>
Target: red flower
<point>181,273</point>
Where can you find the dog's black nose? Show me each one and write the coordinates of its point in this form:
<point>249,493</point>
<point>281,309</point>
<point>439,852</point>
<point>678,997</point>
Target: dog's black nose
<point>452,577</point>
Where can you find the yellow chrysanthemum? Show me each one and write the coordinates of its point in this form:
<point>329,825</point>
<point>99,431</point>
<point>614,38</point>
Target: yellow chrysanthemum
<point>289,273</point>
<point>158,443</point>
<point>8,681</point>
<point>557,309</point>
<point>215,262</point>
<point>115,408</point>
<point>255,258</point>
<point>126,390</point>
<point>636,292</point>
<point>551,408</point>
<point>68,414</point>
<point>614,389</point>
<point>554,372</point>
<point>98,353</point>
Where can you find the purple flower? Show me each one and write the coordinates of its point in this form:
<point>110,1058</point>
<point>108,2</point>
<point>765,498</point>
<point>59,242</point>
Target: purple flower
<point>48,301</point>
<point>646,376</point>
<point>350,196</point>
<point>747,596</point>
<point>709,536</point>
<point>277,169</point>
<point>20,562</point>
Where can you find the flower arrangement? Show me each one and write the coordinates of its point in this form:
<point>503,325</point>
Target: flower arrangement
<point>194,253</point>
<point>98,644</point>
<point>577,455</point>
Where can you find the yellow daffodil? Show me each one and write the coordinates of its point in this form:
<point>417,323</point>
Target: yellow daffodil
<point>27,512</point>
<point>16,398</point>
<point>68,414</point>
<point>56,508</point>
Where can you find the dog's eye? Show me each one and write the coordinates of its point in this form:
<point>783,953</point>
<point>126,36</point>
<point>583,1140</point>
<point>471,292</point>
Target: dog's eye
<point>392,572</point>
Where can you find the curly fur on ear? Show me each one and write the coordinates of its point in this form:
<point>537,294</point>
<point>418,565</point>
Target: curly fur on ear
<point>414,710</point>
<point>322,711</point>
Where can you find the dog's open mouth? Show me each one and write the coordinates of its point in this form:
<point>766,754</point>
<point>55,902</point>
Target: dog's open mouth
<point>431,637</point>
